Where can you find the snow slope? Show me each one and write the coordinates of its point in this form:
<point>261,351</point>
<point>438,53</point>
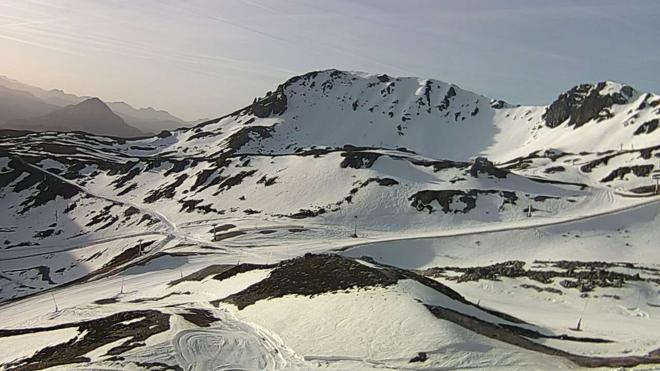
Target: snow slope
<point>174,234</point>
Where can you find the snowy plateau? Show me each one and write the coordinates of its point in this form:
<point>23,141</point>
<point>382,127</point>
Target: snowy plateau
<point>346,221</point>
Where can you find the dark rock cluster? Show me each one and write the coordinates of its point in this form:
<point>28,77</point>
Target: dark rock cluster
<point>274,103</point>
<point>311,275</point>
<point>584,103</point>
<point>584,276</point>
<point>482,165</point>
<point>422,200</point>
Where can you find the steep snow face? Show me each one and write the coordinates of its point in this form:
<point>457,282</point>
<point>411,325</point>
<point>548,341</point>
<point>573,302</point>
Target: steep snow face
<point>334,108</point>
<point>440,120</point>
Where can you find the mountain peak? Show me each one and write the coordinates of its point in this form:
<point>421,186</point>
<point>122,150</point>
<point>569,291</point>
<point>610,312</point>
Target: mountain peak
<point>91,115</point>
<point>92,102</point>
<point>586,102</point>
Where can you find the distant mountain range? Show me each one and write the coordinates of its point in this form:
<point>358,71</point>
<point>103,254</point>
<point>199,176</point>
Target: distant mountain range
<point>27,107</point>
<point>91,116</point>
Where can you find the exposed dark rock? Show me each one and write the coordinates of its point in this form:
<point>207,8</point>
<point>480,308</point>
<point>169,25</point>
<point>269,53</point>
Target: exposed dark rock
<point>227,235</point>
<point>446,101</point>
<point>241,268</point>
<point>554,169</point>
<point>437,165</point>
<point>122,180</point>
<point>584,276</point>
<point>647,127</point>
<point>243,136</point>
<point>481,165</point>
<point>582,104</point>
<point>94,334</point>
<point>422,200</point>
<point>203,134</point>
<point>420,357</point>
<point>167,191</point>
<point>233,180</point>
<point>383,78</point>
<point>620,173</point>
<point>267,181</point>
<point>311,275</point>
<point>359,160</point>
<point>306,213</point>
<point>199,317</point>
<point>272,104</point>
<point>164,134</point>
<point>541,289</point>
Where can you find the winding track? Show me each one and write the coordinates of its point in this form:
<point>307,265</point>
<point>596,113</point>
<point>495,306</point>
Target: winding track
<point>232,345</point>
<point>172,230</point>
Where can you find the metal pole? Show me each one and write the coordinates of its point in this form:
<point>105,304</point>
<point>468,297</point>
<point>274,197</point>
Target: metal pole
<point>55,302</point>
<point>355,227</point>
<point>529,207</point>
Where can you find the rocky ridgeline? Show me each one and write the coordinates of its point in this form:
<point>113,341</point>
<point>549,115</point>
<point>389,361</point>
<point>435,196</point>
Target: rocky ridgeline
<point>584,103</point>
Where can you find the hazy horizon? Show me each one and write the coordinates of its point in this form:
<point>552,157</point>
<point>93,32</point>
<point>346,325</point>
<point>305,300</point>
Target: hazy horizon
<point>203,59</point>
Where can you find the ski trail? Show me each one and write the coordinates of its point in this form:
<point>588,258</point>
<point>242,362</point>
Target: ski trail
<point>57,249</point>
<point>496,229</point>
<point>169,225</point>
<point>232,345</point>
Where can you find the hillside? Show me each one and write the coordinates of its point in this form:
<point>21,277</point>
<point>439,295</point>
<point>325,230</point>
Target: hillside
<point>408,191</point>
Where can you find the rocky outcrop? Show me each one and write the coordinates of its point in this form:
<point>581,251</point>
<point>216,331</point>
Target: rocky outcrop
<point>456,201</point>
<point>274,103</point>
<point>311,275</point>
<point>482,165</point>
<point>584,103</point>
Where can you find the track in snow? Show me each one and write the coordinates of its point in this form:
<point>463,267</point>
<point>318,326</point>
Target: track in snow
<point>232,345</point>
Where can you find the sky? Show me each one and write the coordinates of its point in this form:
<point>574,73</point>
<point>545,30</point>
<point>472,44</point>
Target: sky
<point>202,59</point>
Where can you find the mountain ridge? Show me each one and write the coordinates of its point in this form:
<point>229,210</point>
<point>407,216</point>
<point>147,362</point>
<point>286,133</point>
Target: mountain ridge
<point>148,119</point>
<point>91,115</point>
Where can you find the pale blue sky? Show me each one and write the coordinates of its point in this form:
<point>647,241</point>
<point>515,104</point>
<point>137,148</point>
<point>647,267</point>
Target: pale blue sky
<point>206,58</point>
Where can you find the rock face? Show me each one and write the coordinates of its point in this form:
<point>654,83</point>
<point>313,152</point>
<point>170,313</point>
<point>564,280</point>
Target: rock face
<point>311,275</point>
<point>271,104</point>
<point>482,165</point>
<point>91,116</point>
<point>584,103</point>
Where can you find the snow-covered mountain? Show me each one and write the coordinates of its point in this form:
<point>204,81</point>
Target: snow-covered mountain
<point>414,180</point>
<point>22,101</point>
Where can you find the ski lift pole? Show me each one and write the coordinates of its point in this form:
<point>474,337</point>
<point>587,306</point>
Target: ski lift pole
<point>54,302</point>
